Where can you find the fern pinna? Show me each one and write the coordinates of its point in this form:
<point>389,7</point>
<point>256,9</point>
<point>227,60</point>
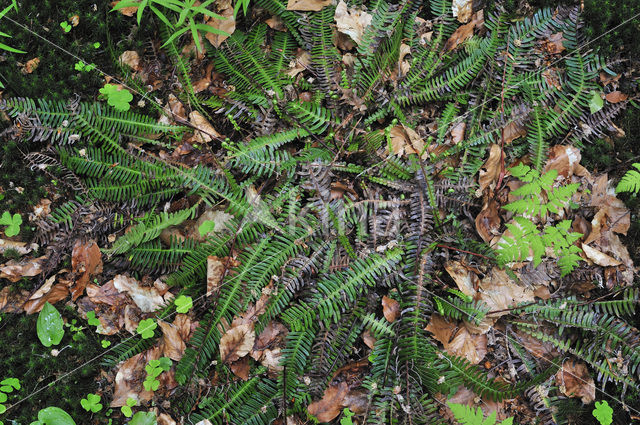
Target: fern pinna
<point>347,178</point>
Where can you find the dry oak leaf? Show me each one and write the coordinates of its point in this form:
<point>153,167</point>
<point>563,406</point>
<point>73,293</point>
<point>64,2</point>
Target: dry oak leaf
<point>599,258</point>
<point>464,32</point>
<point>441,329</point>
<point>86,261</point>
<point>148,299</point>
<point>131,59</point>
<point>490,171</point>
<point>58,292</point>
<point>500,292</point>
<point>390,309</point>
<point>351,21</point>
<point>368,339</point>
<point>462,9</point>
<point>464,278</point>
<point>172,344</point>
<point>513,130</point>
<point>457,132</point>
<point>237,342</point>
<point>165,419</point>
<point>20,247</point>
<point>616,96</point>
<point>308,5</point>
<point>205,131</point>
<point>16,270</point>
<point>566,160</point>
<point>574,380</point>
<point>105,294</point>
<point>228,24</point>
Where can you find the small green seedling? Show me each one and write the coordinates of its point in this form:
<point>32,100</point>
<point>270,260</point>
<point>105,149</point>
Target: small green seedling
<point>66,27</point>
<point>84,67</point>
<point>77,330</point>
<point>92,319</point>
<point>146,327</point>
<point>91,403</point>
<point>346,420</point>
<point>183,304</point>
<point>12,222</point>
<point>126,409</point>
<point>603,413</point>
<point>119,99</point>
<point>154,369</point>
<point>50,327</point>
<point>105,343</point>
<point>206,227</point>
<point>7,386</point>
<point>143,418</point>
<point>96,45</point>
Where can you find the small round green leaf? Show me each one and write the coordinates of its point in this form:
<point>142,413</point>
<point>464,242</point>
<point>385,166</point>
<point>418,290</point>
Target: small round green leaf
<point>183,303</point>
<point>143,418</point>
<point>55,416</point>
<point>50,327</point>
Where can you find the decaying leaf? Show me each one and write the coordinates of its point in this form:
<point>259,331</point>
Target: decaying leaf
<point>131,59</point>
<point>490,171</point>
<point>22,248</point>
<point>554,43</point>
<point>464,32</point>
<point>148,299</point>
<point>16,270</point>
<point>30,66</point>
<point>574,380</point>
<point>86,261</point>
<point>307,5</point>
<point>405,141</point>
<point>172,344</point>
<point>237,342</point>
<point>330,405</point>
<point>351,21</point>
<point>616,96</point>
<point>228,24</point>
<point>129,378</point>
<point>46,293</point>
<point>241,368</point>
<point>513,130</point>
<point>462,9</point>
<point>598,257</point>
<point>215,272</point>
<point>205,132</point>
<point>390,309</point>
<point>12,299</point>
<point>458,339</point>
<point>488,221</point>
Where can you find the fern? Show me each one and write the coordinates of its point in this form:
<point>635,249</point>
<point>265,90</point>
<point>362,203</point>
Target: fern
<point>630,182</point>
<point>467,415</point>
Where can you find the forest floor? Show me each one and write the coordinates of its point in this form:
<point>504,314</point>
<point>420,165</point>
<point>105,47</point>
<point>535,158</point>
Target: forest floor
<point>340,212</point>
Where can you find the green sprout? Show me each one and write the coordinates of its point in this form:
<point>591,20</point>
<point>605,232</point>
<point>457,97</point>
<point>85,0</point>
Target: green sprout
<point>126,409</point>
<point>105,343</point>
<point>154,369</point>
<point>84,67</point>
<point>66,27</point>
<point>96,45</point>
<point>603,413</point>
<point>119,99</point>
<point>91,403</point>
<point>146,327</point>
<point>7,386</point>
<point>183,304</point>
<point>346,420</point>
<point>92,319</point>
<point>12,222</point>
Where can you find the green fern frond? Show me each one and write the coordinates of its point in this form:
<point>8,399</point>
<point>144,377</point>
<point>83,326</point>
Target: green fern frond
<point>630,182</point>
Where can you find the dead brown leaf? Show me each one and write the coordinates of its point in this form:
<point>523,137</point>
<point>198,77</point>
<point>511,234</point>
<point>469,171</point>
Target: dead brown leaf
<point>205,131</point>
<point>465,343</point>
<point>241,368</point>
<point>16,270</point>
<point>351,21</point>
<point>105,294</point>
<point>464,32</point>
<point>86,261</point>
<point>616,96</point>
<point>405,141</point>
<point>228,24</point>
<point>368,339</point>
<point>129,378</point>
<point>488,221</point>
<point>599,258</point>
<point>513,130</point>
<point>237,342</point>
<point>45,294</point>
<point>464,278</point>
<point>574,380</point>
<point>131,59</point>
<point>148,299</point>
<point>500,292</point>
<point>20,247</point>
<point>215,271</point>
<point>551,77</point>
<point>462,9</point>
<point>553,44</point>
<point>165,419</point>
<point>30,66</point>
<point>566,160</point>
<point>390,309</point>
<point>172,344</point>
<point>12,299</point>
<point>330,405</point>
<point>441,329</point>
<point>490,171</point>
<point>308,5</point>
<point>126,11</point>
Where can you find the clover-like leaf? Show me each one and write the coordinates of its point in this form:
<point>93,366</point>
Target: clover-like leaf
<point>9,384</point>
<point>12,222</point>
<point>119,99</point>
<point>146,327</point>
<point>143,418</point>
<point>91,403</point>
<point>50,327</point>
<point>603,413</point>
<point>151,384</point>
<point>206,227</point>
<point>126,409</point>
<point>91,318</point>
<point>66,27</point>
<point>183,304</point>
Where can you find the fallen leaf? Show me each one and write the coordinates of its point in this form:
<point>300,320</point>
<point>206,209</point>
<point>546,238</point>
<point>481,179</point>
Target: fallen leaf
<point>172,344</point>
<point>599,258</point>
<point>441,329</point>
<point>512,131</point>
<point>12,299</point>
<point>228,24</point>
<point>299,64</point>
<point>131,59</point>
<point>465,279</point>
<point>464,32</point>
<point>105,294</point>
<point>276,23</point>
<point>500,292</point>
<point>241,368</point>
<point>20,247</point>
<point>237,342</point>
<point>126,11</point>
<point>462,9</point>
<point>146,298</point>
<point>553,44</point>
<point>616,96</point>
<point>47,293</point>
<point>75,20</point>
<point>16,270</point>
<point>330,405</point>
<point>308,5</point>
<point>488,221</point>
<point>368,339</point>
<point>165,419</point>
<point>215,271</point>
<point>205,131</point>
<point>390,309</point>
<point>490,171</point>
<point>343,391</point>
<point>404,65</point>
<point>405,141</point>
<point>351,21</point>
<point>465,343</point>
<point>30,66</point>
<point>551,77</point>
<point>574,380</point>
<point>129,378</point>
<point>566,160</point>
<point>86,261</point>
<point>457,132</point>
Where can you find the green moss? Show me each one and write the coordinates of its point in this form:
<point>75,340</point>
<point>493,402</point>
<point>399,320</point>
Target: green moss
<point>25,358</point>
